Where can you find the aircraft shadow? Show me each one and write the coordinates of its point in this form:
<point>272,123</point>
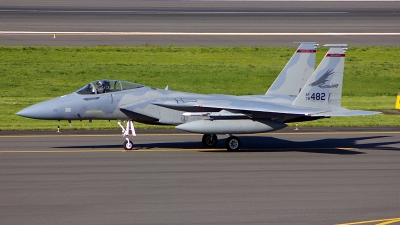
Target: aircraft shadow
<point>337,146</point>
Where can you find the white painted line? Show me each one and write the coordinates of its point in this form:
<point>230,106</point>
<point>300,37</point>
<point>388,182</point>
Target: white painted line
<point>163,12</point>
<point>76,33</point>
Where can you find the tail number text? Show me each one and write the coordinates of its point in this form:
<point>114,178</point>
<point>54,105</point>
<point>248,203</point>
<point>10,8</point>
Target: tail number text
<point>315,96</point>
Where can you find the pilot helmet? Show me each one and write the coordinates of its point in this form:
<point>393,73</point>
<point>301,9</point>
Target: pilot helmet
<point>98,83</point>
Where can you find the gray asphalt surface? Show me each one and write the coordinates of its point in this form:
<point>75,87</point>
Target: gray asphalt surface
<point>198,17</point>
<point>291,177</point>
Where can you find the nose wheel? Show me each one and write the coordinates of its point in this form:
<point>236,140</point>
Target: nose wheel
<point>128,145</point>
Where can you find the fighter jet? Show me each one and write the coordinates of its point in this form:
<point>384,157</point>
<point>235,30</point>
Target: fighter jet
<point>298,94</point>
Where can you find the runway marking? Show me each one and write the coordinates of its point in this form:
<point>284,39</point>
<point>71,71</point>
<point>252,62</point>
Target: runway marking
<point>165,12</point>
<point>106,150</point>
<point>185,33</point>
<point>378,222</point>
<point>163,150</point>
<point>190,134</point>
<point>57,151</point>
<point>88,135</point>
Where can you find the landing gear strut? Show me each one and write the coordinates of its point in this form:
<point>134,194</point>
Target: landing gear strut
<point>128,145</point>
<point>209,140</point>
<point>232,143</point>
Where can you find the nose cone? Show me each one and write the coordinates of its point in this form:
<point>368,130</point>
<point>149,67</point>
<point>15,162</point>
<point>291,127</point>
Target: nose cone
<point>47,110</point>
<point>39,111</point>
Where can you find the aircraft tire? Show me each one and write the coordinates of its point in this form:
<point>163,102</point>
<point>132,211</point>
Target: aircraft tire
<point>209,140</point>
<point>128,145</point>
<point>232,144</point>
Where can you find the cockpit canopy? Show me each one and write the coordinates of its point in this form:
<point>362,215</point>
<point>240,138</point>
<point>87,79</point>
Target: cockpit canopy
<point>106,86</point>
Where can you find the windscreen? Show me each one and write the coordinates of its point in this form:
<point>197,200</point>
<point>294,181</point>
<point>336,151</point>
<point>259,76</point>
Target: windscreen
<point>106,86</point>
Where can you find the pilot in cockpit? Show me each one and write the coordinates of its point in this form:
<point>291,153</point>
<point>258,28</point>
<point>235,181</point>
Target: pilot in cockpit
<point>99,88</point>
<point>106,86</point>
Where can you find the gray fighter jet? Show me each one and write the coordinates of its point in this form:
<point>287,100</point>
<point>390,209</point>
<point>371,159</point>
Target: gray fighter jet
<point>298,94</point>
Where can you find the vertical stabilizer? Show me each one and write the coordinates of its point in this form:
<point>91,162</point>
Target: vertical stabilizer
<point>296,72</point>
<point>324,88</point>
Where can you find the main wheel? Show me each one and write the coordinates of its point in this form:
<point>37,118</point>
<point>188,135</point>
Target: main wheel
<point>128,145</point>
<point>209,140</point>
<point>232,143</point>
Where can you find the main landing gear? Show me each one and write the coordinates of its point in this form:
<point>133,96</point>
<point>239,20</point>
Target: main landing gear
<point>232,143</point>
<point>128,145</point>
<point>209,140</point>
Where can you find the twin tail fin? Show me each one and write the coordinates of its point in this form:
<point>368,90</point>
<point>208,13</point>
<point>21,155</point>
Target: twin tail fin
<point>296,72</point>
<point>324,88</point>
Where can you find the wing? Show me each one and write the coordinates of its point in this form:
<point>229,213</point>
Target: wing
<point>256,108</point>
<point>237,105</point>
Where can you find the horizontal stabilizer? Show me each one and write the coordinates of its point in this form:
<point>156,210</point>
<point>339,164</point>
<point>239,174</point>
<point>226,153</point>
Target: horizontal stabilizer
<point>346,112</point>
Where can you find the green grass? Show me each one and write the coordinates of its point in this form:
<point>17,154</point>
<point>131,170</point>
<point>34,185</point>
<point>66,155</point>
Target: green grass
<point>33,74</point>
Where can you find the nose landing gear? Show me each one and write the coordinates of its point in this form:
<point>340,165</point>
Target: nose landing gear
<point>128,145</point>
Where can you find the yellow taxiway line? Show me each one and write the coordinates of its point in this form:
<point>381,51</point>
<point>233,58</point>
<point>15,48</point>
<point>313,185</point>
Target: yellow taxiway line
<point>375,222</point>
<point>87,135</point>
<point>191,134</point>
<point>159,150</point>
<point>108,150</point>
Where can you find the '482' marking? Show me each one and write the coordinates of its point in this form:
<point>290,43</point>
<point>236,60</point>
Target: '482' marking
<point>315,96</point>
